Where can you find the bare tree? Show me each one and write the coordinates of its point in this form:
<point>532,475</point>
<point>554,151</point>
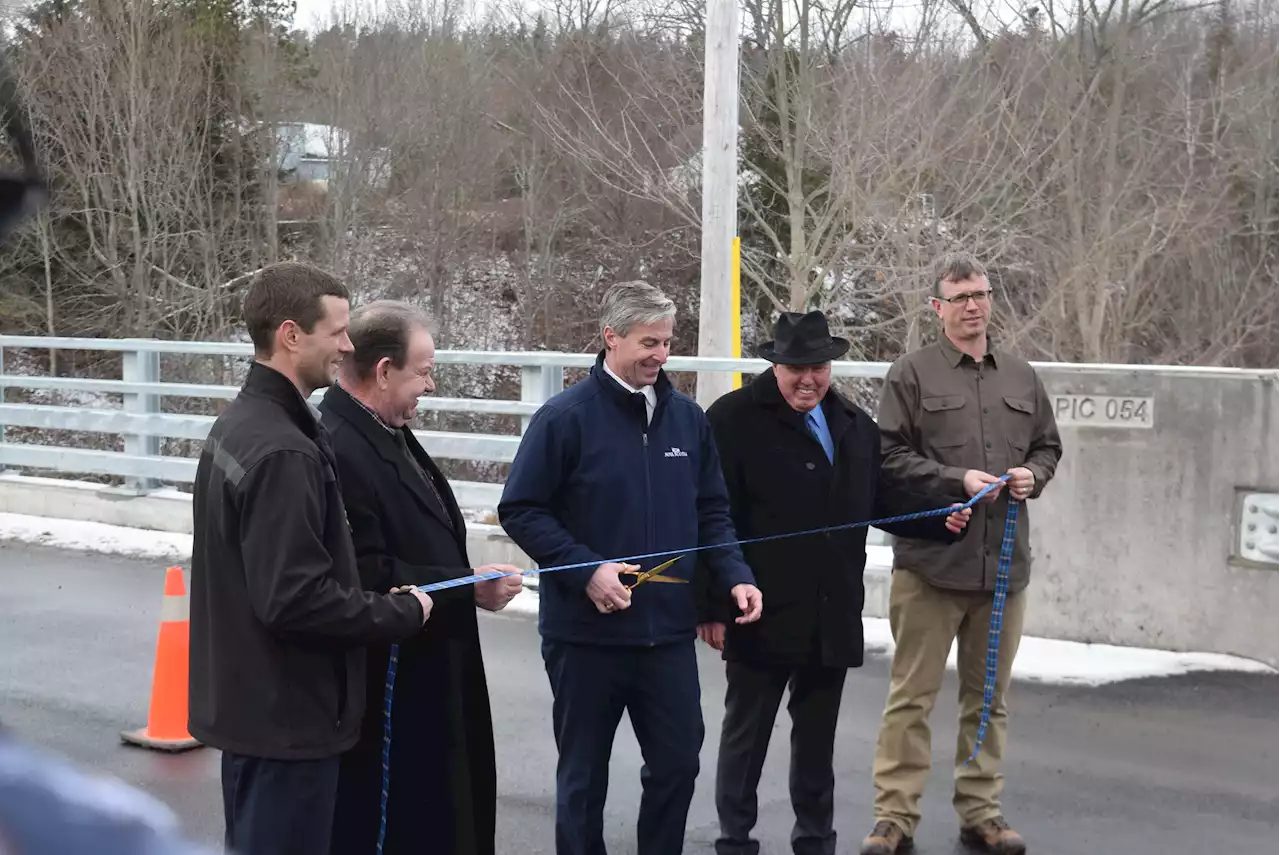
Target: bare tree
<point>1115,165</point>
<point>148,225</point>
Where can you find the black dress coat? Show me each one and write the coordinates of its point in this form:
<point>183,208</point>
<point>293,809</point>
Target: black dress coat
<point>443,780</point>
<point>780,482</point>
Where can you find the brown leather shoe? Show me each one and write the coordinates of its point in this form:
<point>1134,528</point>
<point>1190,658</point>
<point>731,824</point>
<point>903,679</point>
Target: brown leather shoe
<point>994,836</point>
<point>885,839</point>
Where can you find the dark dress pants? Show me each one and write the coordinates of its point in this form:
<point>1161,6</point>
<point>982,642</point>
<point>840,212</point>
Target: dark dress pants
<point>278,807</point>
<point>751,706</point>
<point>658,687</point>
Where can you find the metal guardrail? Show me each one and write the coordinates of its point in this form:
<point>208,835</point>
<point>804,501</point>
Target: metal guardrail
<point>142,424</point>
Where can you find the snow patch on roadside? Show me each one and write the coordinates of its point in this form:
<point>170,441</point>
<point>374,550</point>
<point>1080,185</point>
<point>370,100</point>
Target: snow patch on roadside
<point>95,537</point>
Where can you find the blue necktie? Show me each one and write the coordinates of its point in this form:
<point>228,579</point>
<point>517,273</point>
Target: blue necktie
<point>812,422</point>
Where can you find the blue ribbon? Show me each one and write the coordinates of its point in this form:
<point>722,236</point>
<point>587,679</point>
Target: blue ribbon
<point>997,622</point>
<point>386,741</point>
<point>993,638</point>
<point>629,559</point>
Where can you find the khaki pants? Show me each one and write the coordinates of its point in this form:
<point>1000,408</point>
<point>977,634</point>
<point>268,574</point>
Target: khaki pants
<point>925,620</point>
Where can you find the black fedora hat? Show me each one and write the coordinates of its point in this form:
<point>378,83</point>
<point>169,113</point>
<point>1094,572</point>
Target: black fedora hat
<point>802,339</point>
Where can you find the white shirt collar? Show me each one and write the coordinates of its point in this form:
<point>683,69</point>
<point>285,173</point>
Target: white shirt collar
<point>650,396</point>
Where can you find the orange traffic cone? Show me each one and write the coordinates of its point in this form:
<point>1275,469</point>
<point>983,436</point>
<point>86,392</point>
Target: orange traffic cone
<point>166,728</point>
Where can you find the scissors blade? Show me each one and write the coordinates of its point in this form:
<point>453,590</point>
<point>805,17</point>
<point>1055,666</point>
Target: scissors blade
<point>648,575</point>
<point>664,565</point>
<point>661,578</point>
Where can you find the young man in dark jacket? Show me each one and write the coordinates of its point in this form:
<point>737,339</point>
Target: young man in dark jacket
<point>278,617</point>
<point>621,464</point>
<point>797,456</point>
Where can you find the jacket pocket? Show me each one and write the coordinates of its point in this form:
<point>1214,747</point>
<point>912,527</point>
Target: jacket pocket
<point>1020,405</point>
<point>943,403</point>
<point>945,428</point>
<point>1019,418</point>
<point>311,704</point>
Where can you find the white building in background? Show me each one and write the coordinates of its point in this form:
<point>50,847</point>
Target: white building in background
<point>314,154</point>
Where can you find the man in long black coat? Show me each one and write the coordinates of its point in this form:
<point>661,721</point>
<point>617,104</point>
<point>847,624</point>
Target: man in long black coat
<point>798,456</point>
<point>408,530</point>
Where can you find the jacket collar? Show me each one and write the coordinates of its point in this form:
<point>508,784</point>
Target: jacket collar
<point>342,404</point>
<point>662,387</point>
<point>955,356</point>
<point>266,382</point>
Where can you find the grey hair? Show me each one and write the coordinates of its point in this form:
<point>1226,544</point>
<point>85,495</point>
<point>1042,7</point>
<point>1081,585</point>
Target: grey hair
<point>955,267</point>
<point>381,330</point>
<point>631,304</point>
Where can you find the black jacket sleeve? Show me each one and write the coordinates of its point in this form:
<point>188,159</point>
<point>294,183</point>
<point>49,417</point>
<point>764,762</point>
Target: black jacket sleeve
<point>288,567</point>
<point>711,599</point>
<point>715,521</point>
<point>380,570</point>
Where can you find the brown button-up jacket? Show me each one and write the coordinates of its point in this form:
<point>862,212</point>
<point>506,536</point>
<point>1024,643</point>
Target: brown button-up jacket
<point>942,414</point>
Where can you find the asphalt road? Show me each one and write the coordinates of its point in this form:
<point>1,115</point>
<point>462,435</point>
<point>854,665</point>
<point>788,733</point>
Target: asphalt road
<point>1157,767</point>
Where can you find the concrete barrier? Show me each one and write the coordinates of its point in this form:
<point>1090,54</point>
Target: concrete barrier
<point>161,510</point>
<point>1138,539</point>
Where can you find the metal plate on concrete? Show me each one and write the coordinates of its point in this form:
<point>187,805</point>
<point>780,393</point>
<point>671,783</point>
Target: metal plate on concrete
<point>1110,411</point>
<point>1260,528</point>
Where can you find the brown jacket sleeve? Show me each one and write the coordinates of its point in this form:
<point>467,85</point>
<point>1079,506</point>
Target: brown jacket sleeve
<point>1046,446</point>
<point>899,421</point>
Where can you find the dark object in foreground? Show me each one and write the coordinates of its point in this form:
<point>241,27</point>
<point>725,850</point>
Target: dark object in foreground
<point>19,199</point>
<point>21,194</point>
<point>49,807</point>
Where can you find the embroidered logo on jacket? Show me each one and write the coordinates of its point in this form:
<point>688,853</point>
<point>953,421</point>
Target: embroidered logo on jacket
<point>674,452</point>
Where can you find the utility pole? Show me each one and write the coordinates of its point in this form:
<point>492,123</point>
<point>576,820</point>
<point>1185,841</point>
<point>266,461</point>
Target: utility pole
<point>719,193</point>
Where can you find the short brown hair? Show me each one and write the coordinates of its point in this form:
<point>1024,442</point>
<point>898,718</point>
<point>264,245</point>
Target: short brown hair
<point>955,267</point>
<point>381,330</point>
<point>287,291</point>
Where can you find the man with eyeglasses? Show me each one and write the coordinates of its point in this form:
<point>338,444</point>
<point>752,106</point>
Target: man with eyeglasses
<point>952,415</point>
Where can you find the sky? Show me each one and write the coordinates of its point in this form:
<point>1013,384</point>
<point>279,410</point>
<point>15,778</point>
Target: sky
<point>904,14</point>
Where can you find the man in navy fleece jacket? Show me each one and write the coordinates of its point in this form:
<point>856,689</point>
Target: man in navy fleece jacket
<point>622,464</point>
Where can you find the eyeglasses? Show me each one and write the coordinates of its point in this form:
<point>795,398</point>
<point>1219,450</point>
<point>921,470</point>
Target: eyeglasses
<point>960,299</point>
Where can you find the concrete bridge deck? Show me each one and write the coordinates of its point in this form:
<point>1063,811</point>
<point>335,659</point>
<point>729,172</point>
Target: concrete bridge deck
<point>1155,767</point>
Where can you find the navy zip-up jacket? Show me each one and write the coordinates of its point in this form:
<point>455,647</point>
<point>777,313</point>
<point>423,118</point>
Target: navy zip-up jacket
<point>50,807</point>
<point>592,483</point>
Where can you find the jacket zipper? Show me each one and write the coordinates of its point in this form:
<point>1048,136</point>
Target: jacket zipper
<point>648,509</point>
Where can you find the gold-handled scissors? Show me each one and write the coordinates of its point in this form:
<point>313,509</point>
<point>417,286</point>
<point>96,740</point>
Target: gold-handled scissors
<point>654,574</point>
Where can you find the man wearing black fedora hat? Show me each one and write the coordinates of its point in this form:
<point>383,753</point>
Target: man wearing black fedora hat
<point>796,456</point>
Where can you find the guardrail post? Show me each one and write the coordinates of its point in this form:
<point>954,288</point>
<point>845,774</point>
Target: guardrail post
<point>141,366</point>
<point>538,383</point>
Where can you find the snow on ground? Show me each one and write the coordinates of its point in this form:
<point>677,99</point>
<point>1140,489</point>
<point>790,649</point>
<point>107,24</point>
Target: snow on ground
<point>1039,659</point>
<point>96,537</point>
<point>1047,660</point>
